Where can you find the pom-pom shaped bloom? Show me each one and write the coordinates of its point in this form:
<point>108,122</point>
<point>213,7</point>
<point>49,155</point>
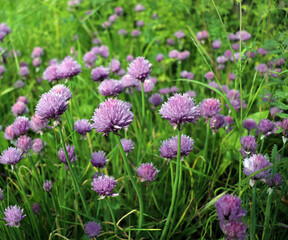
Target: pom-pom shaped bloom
<point>104,51</point>
<point>68,68</point>
<point>24,71</point>
<point>98,159</point>
<point>262,51</point>
<point>261,68</point>
<point>111,116</point>
<point>61,89</point>
<point>275,110</point>
<point>110,87</point>
<point>232,37</point>
<point>51,105</point>
<point>202,35</point>
<point>114,66</point>
<point>50,74</point>
<point>244,35</point>
<point>250,124</point>
<point>209,107</point>
<point>36,208</point>
<point>191,94</point>
<point>47,186</point>
<point>37,124</point>
<point>100,73</point>
<point>265,126</point>
<point>139,7</point>
<point>188,75</point>
<point>256,163</point>
<point>37,52</point>
<point>221,59</point>
<point>104,185</point>
<point>217,121</point>
<point>169,147</point>
<point>129,58</point>
<point>209,75</point>
<point>123,32</point>
<point>36,62</point>
<point>183,55</point>
<point>180,109</point>
<point>118,11</point>
<point>37,145</point>
<point>22,99</point>
<point>173,54</point>
<point>216,44</point>
<point>234,230</point>
<point>232,76</point>
<point>9,133</point>
<point>164,91</point>
<point>148,86</point>
<point>159,57</point>
<point>1,194</point>
<point>11,156</point>
<point>2,70</point>
<point>82,126</point>
<point>24,143</point>
<point>229,207</point>
<point>71,154</point>
<point>128,81</point>
<point>155,99</point>
<point>135,33</point>
<point>147,172</point>
<point>180,34</point>
<point>140,23</point>
<point>140,68</point>
<point>89,58</point>
<point>170,41</point>
<point>249,144</point>
<point>19,108</point>
<point>274,181</point>
<point>92,229</point>
<point>127,144</point>
<point>20,126</point>
<point>13,216</point>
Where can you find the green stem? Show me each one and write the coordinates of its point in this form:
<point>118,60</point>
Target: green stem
<point>253,212</point>
<point>206,141</point>
<point>71,170</point>
<point>267,216</point>
<point>143,101</point>
<point>174,190</point>
<point>126,164</point>
<point>112,215</point>
<point>262,145</point>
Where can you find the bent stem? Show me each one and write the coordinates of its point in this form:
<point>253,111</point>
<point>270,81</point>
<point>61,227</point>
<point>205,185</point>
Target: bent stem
<point>174,190</point>
<point>128,170</point>
<point>71,170</point>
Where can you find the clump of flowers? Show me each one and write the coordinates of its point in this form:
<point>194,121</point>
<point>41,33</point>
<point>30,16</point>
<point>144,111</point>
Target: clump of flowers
<point>92,229</point>
<point>147,172</point>
<point>104,185</point>
<point>13,216</point>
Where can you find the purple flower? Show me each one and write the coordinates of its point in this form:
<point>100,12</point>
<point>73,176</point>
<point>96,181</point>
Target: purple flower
<point>118,11</point>
<point>262,51</point>
<point>89,58</point>
<point>68,68</point>
<point>191,94</point>
<point>202,35</point>
<point>110,87</point>
<point>274,181</point>
<point>229,207</point>
<point>183,55</point>
<point>232,76</point>
<point>13,216</point>
<point>61,89</point>
<point>82,126</point>
<point>140,23</point>
<point>261,68</point>
<point>221,59</point>
<point>100,73</point>
<point>24,143</point>
<point>180,34</point>
<point>216,44</point>
<point>265,126</point>
<point>135,33</point>
<point>250,54</point>
<point>24,71</point>
<point>92,229</point>
<point>214,85</point>
<point>256,163</point>
<point>148,86</point>
<point>19,108</point>
<point>128,81</point>
<point>155,99</point>
<point>169,147</point>
<point>250,124</point>
<point>129,58</point>
<point>36,62</point>
<point>36,208</point>
<point>98,159</point>
<point>164,91</point>
<point>180,109</point>
<point>234,230</point>
<point>139,8</point>
<point>9,133</point>
<point>147,172</point>
<point>209,107</point>
<point>71,154</point>
<point>275,110</point>
<point>228,54</point>
<point>114,66</point>
<point>37,52</point>
<point>159,57</point>
<point>96,41</point>
<point>112,18</point>
<point>104,51</point>
<point>37,124</point>
<point>249,146</point>
<point>2,70</point>
<point>209,75</point>
<point>170,41</point>
<point>127,144</point>
<point>173,54</point>
<point>217,121</point>
<point>111,116</point>
<point>232,36</point>
<point>140,68</point>
<point>50,74</point>
<point>20,126</point>
<point>276,72</point>
<point>51,105</point>
<point>244,35</point>
<point>1,194</point>
<point>47,186</point>
<point>104,186</point>
<point>37,145</point>
<point>236,46</point>
<point>11,156</point>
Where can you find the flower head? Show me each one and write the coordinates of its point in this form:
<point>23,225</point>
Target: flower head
<point>24,143</point>
<point>217,121</point>
<point>92,229</point>
<point>148,86</point>
<point>47,186</point>
<point>128,81</point>
<point>62,90</point>
<point>100,73</point>
<point>36,208</point>
<point>127,144</point>
<point>140,68</point>
<point>250,124</point>
<point>111,116</point>
<point>24,71</point>
<point>265,126</point>
<point>104,185</point>
<point>147,172</point>
<point>37,124</point>
<point>209,75</point>
<point>249,145</point>
<point>19,108</point>
<point>180,109</point>
<point>20,126</point>
<point>50,74</point>
<point>37,145</point>
<point>37,52</point>
<point>155,99</point>
<point>209,107</point>
<point>159,57</point>
<point>9,133</point>
<point>68,68</point>
<point>13,216</point>
<point>110,87</point>
<point>180,34</point>
<point>256,163</point>
<point>51,105</point>
<point>98,159</point>
<point>71,154</point>
<point>169,147</point>
<point>82,126</point>
<point>234,229</point>
<point>216,44</point>
<point>1,194</point>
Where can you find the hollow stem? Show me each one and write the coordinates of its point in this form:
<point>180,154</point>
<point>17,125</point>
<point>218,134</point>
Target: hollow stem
<point>112,214</point>
<point>143,100</point>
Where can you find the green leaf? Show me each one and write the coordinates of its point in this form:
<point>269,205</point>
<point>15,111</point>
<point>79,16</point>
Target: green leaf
<point>259,115</point>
